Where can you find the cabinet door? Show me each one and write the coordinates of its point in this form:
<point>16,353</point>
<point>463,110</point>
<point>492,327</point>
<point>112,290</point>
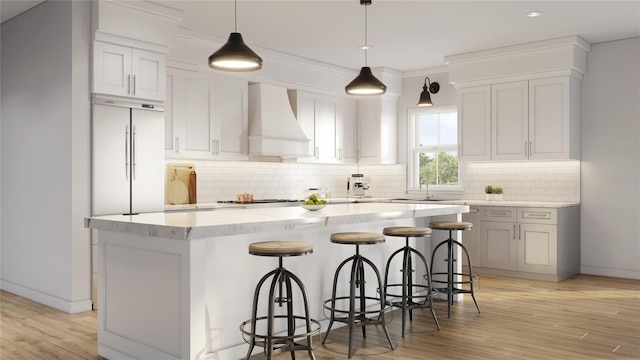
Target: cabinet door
<point>230,122</point>
<point>549,118</point>
<point>198,140</point>
<point>147,170</point>
<point>509,121</point>
<point>346,130</point>
<point>111,151</point>
<point>171,139</point>
<point>148,74</point>
<point>111,69</point>
<point>537,248</point>
<point>303,105</point>
<point>474,123</point>
<point>498,245</point>
<point>325,129</point>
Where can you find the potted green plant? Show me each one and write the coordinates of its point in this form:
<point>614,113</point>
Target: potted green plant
<point>497,193</point>
<point>488,192</point>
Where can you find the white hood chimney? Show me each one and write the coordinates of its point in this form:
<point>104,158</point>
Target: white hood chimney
<point>273,128</point>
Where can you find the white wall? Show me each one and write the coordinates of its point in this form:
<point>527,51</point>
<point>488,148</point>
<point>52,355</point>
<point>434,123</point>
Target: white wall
<point>610,211</point>
<point>44,149</point>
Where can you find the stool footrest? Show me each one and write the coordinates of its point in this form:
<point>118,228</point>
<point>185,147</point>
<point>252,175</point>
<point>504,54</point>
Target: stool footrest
<point>280,338</point>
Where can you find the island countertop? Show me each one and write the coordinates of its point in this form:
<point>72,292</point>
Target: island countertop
<point>205,224</point>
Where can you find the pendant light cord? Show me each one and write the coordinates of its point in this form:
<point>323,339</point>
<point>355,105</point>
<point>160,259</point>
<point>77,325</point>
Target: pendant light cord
<point>235,15</point>
<point>365,35</point>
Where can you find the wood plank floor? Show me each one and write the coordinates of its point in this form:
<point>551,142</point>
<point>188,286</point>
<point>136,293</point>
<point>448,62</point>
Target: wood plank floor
<point>586,317</point>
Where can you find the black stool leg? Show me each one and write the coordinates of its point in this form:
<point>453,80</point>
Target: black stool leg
<point>254,311</point>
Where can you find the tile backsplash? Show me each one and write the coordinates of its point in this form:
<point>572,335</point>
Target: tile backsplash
<point>524,181</point>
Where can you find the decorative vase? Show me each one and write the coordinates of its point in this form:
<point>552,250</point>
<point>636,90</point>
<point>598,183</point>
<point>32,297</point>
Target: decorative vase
<point>488,197</point>
<point>497,197</point>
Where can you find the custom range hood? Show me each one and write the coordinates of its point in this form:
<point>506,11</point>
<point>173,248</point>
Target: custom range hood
<point>273,128</point>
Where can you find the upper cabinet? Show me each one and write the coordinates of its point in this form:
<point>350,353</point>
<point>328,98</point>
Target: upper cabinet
<point>329,122</point>
<point>538,119</point>
<point>474,120</point>
<point>377,130</point>
<point>129,72</point>
<point>205,116</point>
<point>520,102</point>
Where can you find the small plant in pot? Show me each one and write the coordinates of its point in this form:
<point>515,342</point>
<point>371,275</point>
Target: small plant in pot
<point>497,193</point>
<point>488,192</point>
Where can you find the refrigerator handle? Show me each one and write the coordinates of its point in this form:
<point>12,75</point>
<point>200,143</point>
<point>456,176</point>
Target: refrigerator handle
<point>126,152</point>
<point>133,154</point>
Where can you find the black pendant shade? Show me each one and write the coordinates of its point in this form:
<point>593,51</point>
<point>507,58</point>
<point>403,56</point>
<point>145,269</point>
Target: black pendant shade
<point>427,90</point>
<point>235,55</point>
<point>365,84</point>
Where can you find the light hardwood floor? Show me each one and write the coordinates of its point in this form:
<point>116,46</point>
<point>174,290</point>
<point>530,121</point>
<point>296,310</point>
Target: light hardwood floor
<point>586,317</point>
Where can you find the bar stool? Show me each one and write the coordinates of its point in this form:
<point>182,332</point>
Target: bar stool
<point>357,315</point>
<point>410,297</point>
<point>280,292</point>
<point>453,286</point>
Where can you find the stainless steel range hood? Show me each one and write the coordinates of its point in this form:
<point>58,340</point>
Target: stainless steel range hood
<point>273,128</point>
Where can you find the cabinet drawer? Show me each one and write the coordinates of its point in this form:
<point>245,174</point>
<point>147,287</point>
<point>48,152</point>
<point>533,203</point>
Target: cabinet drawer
<point>498,213</point>
<point>538,215</point>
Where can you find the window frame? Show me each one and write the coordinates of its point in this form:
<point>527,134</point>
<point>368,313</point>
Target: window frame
<point>413,150</point>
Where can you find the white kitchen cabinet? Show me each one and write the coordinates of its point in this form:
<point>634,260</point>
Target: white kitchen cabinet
<point>329,122</point>
<point>536,119</point>
<point>377,130</point>
<point>510,121</point>
<point>474,123</point>
<point>130,72</point>
<point>206,117</point>
<point>537,243</point>
<point>554,118</point>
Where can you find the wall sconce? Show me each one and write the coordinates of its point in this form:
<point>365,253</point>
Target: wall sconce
<point>427,90</point>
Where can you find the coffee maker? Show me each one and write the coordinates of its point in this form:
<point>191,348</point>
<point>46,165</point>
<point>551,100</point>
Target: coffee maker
<point>356,185</point>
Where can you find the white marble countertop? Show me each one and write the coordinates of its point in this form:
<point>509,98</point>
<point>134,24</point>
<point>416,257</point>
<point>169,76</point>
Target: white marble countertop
<point>514,203</point>
<point>203,224</point>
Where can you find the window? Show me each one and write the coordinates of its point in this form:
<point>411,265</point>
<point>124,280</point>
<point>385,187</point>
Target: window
<point>434,148</point>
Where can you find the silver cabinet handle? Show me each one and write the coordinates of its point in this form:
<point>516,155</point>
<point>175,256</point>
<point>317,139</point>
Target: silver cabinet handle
<point>177,145</point>
<point>519,231</point>
<point>133,154</point>
<point>129,84</point>
<point>514,231</point>
<point>215,147</point>
<point>317,152</point>
<point>530,153</point>
<point>134,85</point>
<point>474,210</point>
<point>526,153</point>
<point>126,152</point>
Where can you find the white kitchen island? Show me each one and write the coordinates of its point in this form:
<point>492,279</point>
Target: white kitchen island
<point>178,285</point>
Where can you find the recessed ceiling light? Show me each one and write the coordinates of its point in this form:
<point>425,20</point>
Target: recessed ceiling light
<point>365,47</point>
<point>533,14</point>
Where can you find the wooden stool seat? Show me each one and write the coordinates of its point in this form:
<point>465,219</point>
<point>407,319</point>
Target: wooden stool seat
<point>407,231</point>
<point>357,238</point>
<point>280,248</point>
<point>451,225</point>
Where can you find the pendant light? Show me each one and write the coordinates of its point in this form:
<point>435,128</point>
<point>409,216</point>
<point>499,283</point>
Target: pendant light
<point>235,55</point>
<point>425,96</point>
<point>365,83</point>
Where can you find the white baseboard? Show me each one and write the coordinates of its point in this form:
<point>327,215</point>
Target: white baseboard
<point>618,273</point>
<point>46,299</point>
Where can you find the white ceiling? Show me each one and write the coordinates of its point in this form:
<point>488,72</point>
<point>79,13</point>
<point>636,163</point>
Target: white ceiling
<point>403,35</point>
<point>406,35</point>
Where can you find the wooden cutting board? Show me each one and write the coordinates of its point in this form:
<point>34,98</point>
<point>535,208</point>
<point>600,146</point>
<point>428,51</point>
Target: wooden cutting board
<point>181,184</point>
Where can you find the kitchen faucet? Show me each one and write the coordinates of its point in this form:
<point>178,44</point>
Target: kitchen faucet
<point>426,183</point>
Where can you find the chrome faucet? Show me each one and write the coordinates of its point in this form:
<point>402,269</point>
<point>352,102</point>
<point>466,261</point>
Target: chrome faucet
<point>426,183</point>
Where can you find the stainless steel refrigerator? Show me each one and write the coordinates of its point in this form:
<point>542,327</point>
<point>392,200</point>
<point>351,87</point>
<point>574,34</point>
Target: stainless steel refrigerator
<point>128,157</point>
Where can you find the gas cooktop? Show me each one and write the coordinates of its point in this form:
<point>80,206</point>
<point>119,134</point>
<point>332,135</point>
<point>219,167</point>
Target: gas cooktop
<point>259,201</point>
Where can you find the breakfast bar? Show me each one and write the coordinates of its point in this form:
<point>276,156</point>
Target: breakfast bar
<point>178,285</point>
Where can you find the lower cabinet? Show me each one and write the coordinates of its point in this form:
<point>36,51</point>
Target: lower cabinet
<point>536,243</point>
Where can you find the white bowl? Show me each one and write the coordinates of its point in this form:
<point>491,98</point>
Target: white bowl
<point>313,207</point>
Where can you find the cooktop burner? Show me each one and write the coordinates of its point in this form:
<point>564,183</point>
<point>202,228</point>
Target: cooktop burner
<point>259,201</point>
